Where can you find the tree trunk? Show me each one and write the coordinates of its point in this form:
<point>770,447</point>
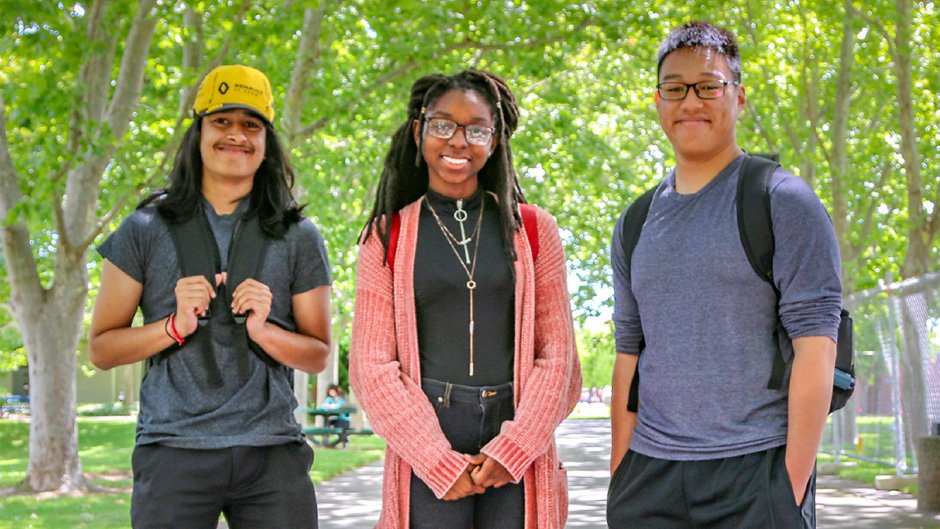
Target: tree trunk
<point>919,238</point>
<point>51,330</point>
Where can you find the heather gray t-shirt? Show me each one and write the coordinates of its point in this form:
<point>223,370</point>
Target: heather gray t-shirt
<point>178,407</point>
<point>708,320</point>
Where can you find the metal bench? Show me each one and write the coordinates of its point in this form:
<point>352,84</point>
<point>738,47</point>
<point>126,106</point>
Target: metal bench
<point>325,432</point>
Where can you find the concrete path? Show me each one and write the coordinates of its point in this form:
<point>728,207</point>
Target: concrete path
<point>352,500</point>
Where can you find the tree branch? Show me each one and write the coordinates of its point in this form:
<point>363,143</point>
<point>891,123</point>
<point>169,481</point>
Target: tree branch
<point>882,30</point>
<point>193,37</point>
<point>778,103</point>
<point>133,64</point>
<point>868,220</point>
<point>308,53</point>
<point>20,261</point>
<point>95,73</point>
<point>412,64</point>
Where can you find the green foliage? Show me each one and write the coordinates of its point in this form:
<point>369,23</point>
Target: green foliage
<point>588,142</point>
<point>597,353</point>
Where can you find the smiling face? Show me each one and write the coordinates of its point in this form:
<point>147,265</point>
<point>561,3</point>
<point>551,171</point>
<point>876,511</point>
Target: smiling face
<point>453,164</point>
<point>232,144</point>
<point>699,130</point>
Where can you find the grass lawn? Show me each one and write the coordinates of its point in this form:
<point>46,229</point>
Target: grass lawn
<point>105,447</point>
<point>875,442</point>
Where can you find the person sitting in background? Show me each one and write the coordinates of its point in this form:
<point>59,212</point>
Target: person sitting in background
<point>335,399</point>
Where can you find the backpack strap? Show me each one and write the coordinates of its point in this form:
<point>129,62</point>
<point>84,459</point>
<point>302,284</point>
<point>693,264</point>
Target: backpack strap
<point>633,221</point>
<point>755,224</point>
<point>529,220</point>
<point>393,233</point>
<point>246,259</point>
<point>246,255</point>
<point>198,254</point>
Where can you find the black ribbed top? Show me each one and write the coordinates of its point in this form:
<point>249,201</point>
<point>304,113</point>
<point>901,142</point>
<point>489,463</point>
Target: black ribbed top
<point>443,303</point>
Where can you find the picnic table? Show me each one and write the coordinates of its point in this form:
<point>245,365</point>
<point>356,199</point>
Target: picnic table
<point>325,431</point>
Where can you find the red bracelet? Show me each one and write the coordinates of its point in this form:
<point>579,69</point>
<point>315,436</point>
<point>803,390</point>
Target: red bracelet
<point>173,332</point>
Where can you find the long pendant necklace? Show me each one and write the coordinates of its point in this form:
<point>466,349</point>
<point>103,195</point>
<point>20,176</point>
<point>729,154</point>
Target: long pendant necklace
<point>453,243</point>
<point>460,216</point>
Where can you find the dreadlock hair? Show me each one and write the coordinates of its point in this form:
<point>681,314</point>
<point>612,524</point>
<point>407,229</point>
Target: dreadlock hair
<point>271,196</point>
<point>405,174</point>
<point>703,35</point>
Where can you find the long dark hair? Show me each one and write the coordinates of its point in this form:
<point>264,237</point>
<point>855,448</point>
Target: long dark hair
<point>271,196</point>
<point>405,175</point>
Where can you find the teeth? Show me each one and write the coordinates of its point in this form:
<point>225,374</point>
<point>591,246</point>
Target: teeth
<point>455,161</point>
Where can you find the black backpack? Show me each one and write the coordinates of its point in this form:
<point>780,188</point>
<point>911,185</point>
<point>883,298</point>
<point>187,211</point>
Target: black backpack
<point>198,254</point>
<point>757,237</point>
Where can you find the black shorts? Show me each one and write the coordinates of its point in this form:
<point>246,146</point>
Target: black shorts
<point>752,491</point>
<point>255,487</point>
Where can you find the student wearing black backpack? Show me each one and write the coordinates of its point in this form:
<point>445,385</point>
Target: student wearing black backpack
<point>708,443</point>
<point>234,287</point>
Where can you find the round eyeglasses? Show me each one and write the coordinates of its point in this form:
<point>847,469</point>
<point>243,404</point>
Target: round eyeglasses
<point>444,129</point>
<point>674,91</point>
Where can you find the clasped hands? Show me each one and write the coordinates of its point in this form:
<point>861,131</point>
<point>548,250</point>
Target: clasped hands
<point>482,472</point>
<point>195,293</point>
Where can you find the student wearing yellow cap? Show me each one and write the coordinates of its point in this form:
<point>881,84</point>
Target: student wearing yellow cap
<point>234,287</point>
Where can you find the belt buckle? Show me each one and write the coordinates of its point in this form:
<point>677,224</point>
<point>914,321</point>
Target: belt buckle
<point>489,393</point>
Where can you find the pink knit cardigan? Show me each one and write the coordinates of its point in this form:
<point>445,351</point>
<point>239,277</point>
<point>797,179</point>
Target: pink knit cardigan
<point>384,372</point>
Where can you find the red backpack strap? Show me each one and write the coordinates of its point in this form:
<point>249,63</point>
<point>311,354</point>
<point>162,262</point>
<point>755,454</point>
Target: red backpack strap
<point>530,222</point>
<point>393,241</point>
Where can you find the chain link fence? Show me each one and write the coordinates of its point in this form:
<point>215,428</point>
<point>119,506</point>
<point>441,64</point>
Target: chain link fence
<point>897,393</point>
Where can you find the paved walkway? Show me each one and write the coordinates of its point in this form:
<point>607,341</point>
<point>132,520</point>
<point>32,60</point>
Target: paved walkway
<point>352,499</point>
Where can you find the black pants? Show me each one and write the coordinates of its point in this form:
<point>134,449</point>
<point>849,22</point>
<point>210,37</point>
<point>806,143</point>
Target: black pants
<point>470,417</point>
<point>265,487</point>
<point>752,491</point>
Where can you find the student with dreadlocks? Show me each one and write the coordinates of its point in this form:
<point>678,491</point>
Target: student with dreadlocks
<point>463,352</point>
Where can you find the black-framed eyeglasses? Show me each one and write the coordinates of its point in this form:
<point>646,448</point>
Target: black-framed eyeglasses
<point>444,129</point>
<point>674,91</point>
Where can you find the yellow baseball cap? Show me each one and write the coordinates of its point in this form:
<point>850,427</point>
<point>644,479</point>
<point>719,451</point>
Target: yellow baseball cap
<point>235,86</point>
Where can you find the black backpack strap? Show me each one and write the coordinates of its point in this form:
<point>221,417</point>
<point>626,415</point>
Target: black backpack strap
<point>246,258</point>
<point>246,255</point>
<point>197,254</point>
<point>755,226</point>
<point>633,221</point>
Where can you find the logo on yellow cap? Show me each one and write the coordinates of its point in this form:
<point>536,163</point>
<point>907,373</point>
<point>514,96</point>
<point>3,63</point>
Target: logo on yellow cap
<point>235,86</point>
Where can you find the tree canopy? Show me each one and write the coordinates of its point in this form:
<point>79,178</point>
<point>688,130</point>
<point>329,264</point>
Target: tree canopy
<point>94,97</point>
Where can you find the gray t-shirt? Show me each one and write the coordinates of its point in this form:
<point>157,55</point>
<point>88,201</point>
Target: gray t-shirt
<point>178,407</point>
<point>708,320</point>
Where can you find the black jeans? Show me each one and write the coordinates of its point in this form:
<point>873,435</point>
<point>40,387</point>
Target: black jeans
<point>744,492</point>
<point>265,487</point>
<point>470,417</point>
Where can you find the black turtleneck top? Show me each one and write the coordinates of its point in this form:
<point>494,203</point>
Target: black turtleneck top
<point>443,301</point>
